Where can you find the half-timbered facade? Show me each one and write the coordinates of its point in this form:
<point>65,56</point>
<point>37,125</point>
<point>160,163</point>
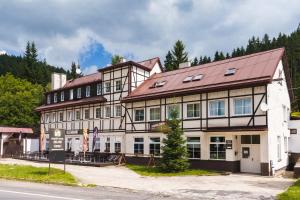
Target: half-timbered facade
<point>233,113</point>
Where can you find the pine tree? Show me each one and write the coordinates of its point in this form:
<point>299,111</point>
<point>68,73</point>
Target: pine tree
<point>168,62</point>
<point>33,51</point>
<point>221,57</point>
<point>179,55</point>
<point>27,54</point>
<point>200,60</point>
<point>195,62</point>
<point>217,56</point>
<point>174,151</point>
<point>73,70</point>
<point>227,55</point>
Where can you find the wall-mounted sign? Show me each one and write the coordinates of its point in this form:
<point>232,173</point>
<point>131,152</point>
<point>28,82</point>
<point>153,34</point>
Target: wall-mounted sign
<point>228,144</point>
<point>245,152</point>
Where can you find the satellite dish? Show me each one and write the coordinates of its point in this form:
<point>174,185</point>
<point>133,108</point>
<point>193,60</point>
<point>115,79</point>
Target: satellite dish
<point>78,71</point>
<point>264,107</point>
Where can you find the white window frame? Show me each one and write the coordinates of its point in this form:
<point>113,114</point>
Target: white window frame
<point>98,111</point>
<point>151,142</point>
<point>85,112</point>
<point>71,94</point>
<point>116,87</point>
<point>55,98</point>
<point>139,143</point>
<point>88,91</point>
<point>224,143</point>
<point>118,111</point>
<point>48,99</point>
<point>78,93</point>
<point>47,118</point>
<point>193,143</point>
<point>159,118</point>
<point>120,149</point>
<point>279,155</point>
<point>70,115</point>
<point>99,89</point>
<point>61,114</point>
<point>106,113</point>
<point>169,113</point>
<point>107,89</point>
<point>243,106</point>
<point>209,108</point>
<point>107,145</point>
<point>53,117</point>
<point>76,114</point>
<point>97,144</point>
<point>139,109</point>
<point>193,117</point>
<point>62,96</point>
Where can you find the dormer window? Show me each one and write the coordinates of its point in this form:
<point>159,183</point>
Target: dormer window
<point>48,99</point>
<point>88,91</point>
<point>78,93</point>
<point>158,84</point>
<point>71,94</point>
<point>198,77</point>
<point>188,79</point>
<point>62,96</point>
<point>55,97</point>
<point>230,71</point>
<point>98,89</point>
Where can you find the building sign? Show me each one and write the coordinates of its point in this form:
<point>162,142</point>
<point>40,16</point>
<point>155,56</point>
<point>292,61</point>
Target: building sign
<point>56,145</point>
<point>228,144</point>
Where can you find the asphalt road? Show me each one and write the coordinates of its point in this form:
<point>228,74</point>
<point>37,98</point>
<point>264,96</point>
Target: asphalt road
<point>15,190</point>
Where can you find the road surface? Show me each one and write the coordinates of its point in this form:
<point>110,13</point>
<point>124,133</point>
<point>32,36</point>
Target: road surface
<point>15,190</point>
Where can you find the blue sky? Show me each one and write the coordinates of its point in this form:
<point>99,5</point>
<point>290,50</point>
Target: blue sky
<point>91,31</point>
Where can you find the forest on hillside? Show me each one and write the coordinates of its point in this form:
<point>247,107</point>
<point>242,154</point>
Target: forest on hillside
<point>291,42</point>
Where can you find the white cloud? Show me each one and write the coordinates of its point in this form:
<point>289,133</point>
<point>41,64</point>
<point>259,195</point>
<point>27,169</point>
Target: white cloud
<point>90,70</point>
<point>63,30</point>
<point>2,52</point>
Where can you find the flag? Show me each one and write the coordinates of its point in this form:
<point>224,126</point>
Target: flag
<point>85,140</point>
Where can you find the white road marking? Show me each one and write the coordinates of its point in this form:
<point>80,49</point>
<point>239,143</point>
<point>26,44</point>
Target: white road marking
<point>40,195</point>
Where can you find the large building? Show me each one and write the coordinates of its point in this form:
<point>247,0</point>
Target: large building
<point>234,112</point>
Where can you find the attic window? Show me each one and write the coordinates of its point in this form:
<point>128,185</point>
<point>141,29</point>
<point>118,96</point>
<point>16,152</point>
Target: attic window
<point>198,77</point>
<point>188,79</point>
<point>230,71</point>
<point>158,84</point>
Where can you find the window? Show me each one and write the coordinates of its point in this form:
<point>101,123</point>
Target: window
<point>286,113</point>
<point>155,114</point>
<point>61,116</point>
<point>107,87</point>
<point>158,84</point>
<point>78,93</point>
<point>243,106</point>
<point>171,108</point>
<point>285,144</point>
<point>88,91</point>
<point>77,114</point>
<point>47,118</point>
<point>293,131</point>
<point>139,145</point>
<point>118,111</point>
<point>198,77</point>
<point>217,108</point>
<point>55,97</point>
<point>117,147</point>
<point>107,111</point>
<point>71,94</point>
<point>118,85</point>
<point>98,112</point>
<point>70,115</point>
<point>217,148</point>
<point>47,144</point>
<point>54,117</point>
<point>139,115</point>
<point>86,113</point>
<point>69,144</point>
<point>107,145</point>
<point>98,89</point>
<point>250,139</point>
<point>97,144</point>
<point>62,96</point>
<point>187,79</point>
<point>279,148</point>
<point>154,146</point>
<point>193,110</point>
<point>48,99</point>
<point>193,147</point>
<point>230,71</point>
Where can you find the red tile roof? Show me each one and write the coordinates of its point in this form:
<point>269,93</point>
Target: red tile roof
<point>91,78</point>
<point>253,69</point>
<point>15,130</point>
<point>96,99</point>
<point>150,63</point>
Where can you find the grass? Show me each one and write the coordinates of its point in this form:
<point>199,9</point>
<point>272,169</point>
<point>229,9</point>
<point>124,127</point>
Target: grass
<point>292,193</point>
<point>155,172</point>
<point>36,174</point>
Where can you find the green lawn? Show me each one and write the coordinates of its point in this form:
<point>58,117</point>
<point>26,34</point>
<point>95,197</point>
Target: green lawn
<point>154,171</point>
<point>36,174</point>
<point>292,193</point>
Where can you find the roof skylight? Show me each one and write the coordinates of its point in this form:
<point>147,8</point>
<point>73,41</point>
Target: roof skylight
<point>230,71</point>
<point>188,79</point>
<point>158,84</point>
<point>197,77</point>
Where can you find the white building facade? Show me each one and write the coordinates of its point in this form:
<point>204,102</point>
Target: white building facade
<point>234,113</point>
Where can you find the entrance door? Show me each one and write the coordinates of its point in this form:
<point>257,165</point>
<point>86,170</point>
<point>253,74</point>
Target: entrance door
<point>250,153</point>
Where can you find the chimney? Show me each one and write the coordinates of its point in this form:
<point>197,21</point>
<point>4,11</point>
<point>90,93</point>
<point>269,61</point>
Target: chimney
<point>58,80</point>
<point>184,65</point>
<point>123,60</point>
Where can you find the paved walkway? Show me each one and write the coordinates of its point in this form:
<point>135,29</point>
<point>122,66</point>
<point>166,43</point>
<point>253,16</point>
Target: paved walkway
<point>235,186</point>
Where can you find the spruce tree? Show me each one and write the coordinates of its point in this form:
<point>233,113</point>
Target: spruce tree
<point>217,56</point>
<point>73,70</point>
<point>27,54</point>
<point>179,55</point>
<point>174,151</point>
<point>195,62</point>
<point>33,51</point>
<point>168,62</point>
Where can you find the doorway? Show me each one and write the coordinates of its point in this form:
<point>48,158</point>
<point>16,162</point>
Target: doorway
<point>250,154</point>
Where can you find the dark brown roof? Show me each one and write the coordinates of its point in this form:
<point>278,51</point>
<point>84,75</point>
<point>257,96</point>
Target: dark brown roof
<point>145,64</point>
<point>15,130</point>
<point>79,102</point>
<point>252,69</point>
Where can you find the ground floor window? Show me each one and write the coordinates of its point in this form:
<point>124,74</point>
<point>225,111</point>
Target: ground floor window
<point>138,145</point>
<point>285,144</point>
<point>69,144</point>
<point>250,139</point>
<point>193,147</point>
<point>107,145</point>
<point>97,144</point>
<point>217,148</point>
<point>118,147</point>
<point>279,148</point>
<point>154,146</point>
